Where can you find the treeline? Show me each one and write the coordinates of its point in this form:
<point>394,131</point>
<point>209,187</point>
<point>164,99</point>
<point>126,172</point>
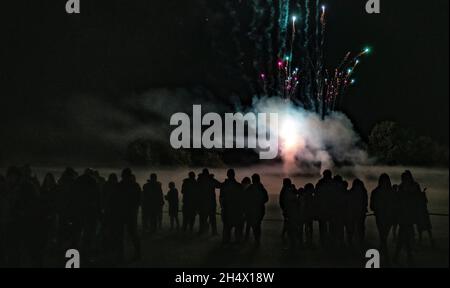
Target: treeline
<point>388,143</point>
<point>393,144</point>
<point>150,152</point>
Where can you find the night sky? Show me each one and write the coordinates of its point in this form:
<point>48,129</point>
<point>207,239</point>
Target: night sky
<point>116,49</point>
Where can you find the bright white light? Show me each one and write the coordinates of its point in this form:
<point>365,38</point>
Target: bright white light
<point>288,133</point>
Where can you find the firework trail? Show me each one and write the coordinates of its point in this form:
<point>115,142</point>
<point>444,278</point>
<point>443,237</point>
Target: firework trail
<point>283,23</point>
<point>268,33</point>
<point>289,57</point>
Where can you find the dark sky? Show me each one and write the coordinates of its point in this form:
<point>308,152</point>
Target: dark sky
<point>116,49</point>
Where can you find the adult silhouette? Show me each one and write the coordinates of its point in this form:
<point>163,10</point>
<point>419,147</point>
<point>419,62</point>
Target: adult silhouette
<point>85,211</point>
<point>287,187</point>
<point>231,202</point>
<point>382,204</point>
<point>257,198</point>
<point>423,217</point>
<point>47,211</point>
<point>408,191</point>
<point>324,190</point>
<point>152,203</point>
<point>64,207</point>
<point>114,219</point>
<point>189,189</point>
<point>356,209</point>
<point>337,210</point>
<point>172,199</point>
<point>290,203</point>
<point>131,200</point>
<point>21,218</point>
<point>3,206</point>
<point>207,186</point>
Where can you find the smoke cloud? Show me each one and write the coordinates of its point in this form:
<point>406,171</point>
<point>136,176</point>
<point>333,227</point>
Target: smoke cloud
<point>309,142</point>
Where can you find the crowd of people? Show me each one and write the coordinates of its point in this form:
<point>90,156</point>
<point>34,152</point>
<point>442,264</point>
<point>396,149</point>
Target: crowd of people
<point>341,212</point>
<point>93,214</point>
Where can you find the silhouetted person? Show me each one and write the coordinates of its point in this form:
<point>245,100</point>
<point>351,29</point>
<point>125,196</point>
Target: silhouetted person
<point>64,207</point>
<point>114,218</point>
<point>356,209</point>
<point>189,190</point>
<point>131,199</point>
<point>246,182</point>
<point>86,211</point>
<point>172,200</point>
<point>22,215</point>
<point>337,210</point>
<point>231,196</point>
<point>27,173</point>
<point>308,211</point>
<point>324,194</point>
<point>382,204</point>
<point>48,214</point>
<point>101,183</point>
<point>207,186</point>
<point>407,214</point>
<point>3,217</point>
<point>423,220</point>
<point>258,197</point>
<point>152,203</point>
<point>287,186</point>
<point>290,203</point>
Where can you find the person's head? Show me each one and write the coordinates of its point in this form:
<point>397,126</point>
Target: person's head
<point>171,185</point>
<point>287,182</point>
<point>231,174</point>
<point>126,174</point>
<point>300,191</point>
<point>256,179</point>
<point>153,177</point>
<point>384,181</point>
<point>338,178</point>
<point>205,171</point>
<point>49,181</point>
<point>246,181</point>
<point>89,172</point>
<point>345,184</point>
<point>395,187</point>
<point>191,175</point>
<point>70,172</point>
<point>112,178</point>
<point>357,184</point>
<point>13,175</point>
<point>309,188</point>
<point>26,171</point>
<point>327,174</point>
<point>407,177</point>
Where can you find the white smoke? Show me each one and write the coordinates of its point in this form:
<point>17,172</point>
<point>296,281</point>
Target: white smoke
<point>307,140</point>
